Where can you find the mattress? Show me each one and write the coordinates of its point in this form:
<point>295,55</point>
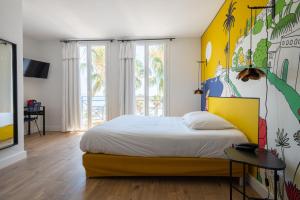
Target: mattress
<point>157,137</point>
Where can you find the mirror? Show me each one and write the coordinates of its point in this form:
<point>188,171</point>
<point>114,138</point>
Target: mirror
<point>8,95</point>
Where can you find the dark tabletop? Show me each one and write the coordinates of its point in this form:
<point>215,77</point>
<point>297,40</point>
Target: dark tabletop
<point>260,158</point>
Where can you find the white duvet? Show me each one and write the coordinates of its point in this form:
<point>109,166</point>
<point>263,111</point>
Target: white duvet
<point>157,137</point>
<point>6,119</point>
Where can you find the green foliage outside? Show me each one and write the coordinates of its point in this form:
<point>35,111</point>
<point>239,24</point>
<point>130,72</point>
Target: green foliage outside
<point>156,68</point>
<point>156,77</point>
<point>139,73</point>
<point>260,54</point>
<point>98,70</point>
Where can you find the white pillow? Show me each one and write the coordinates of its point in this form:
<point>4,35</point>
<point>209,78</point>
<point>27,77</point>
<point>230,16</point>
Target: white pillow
<point>202,120</point>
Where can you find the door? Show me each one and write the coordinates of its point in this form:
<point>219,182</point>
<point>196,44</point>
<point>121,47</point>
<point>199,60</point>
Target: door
<point>92,66</point>
<point>150,79</point>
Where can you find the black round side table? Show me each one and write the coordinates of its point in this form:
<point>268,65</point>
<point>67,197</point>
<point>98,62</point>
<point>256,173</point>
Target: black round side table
<point>261,158</point>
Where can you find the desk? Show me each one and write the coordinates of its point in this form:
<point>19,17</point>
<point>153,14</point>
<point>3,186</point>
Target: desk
<point>38,112</point>
<point>261,158</point>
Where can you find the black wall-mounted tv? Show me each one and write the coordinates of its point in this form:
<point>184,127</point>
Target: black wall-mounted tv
<point>34,68</point>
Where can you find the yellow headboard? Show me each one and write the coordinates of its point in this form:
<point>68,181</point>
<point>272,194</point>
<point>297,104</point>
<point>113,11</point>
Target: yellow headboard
<point>241,112</point>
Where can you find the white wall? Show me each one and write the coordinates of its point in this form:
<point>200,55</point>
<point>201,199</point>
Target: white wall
<point>11,29</point>
<point>48,91</point>
<point>183,78</point>
<point>184,54</point>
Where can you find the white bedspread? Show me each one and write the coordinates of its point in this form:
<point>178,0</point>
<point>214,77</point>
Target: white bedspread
<point>6,119</point>
<point>157,137</point>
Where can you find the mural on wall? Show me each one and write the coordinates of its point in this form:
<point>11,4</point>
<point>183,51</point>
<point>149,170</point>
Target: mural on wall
<point>276,52</point>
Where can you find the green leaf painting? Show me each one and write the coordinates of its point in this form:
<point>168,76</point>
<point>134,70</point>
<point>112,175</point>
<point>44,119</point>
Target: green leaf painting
<point>280,4</point>
<point>297,12</point>
<point>260,53</point>
<point>269,21</point>
<point>258,27</point>
<point>285,24</point>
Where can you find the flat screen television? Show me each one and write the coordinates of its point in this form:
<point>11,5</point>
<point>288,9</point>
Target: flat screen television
<point>34,68</point>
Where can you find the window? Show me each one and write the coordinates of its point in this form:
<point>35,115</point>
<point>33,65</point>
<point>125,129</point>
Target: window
<point>150,81</point>
<point>92,65</point>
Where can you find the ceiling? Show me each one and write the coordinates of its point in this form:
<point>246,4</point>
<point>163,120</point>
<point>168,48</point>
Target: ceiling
<point>88,19</point>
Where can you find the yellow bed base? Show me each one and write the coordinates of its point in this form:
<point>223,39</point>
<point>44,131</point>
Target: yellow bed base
<point>242,112</point>
<point>6,132</point>
<point>97,165</point>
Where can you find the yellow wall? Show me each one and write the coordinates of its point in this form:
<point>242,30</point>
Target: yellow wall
<point>218,37</point>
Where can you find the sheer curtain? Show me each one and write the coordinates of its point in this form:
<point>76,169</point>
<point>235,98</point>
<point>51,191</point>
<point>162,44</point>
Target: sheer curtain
<point>127,96</point>
<point>71,87</point>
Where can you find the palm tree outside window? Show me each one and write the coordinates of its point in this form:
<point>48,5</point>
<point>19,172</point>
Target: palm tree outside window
<point>150,79</point>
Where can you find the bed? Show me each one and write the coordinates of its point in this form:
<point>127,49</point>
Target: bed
<point>152,146</point>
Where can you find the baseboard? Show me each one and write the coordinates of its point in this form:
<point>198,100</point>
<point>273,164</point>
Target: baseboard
<point>49,128</point>
<point>53,128</point>
<point>258,187</point>
<point>11,159</point>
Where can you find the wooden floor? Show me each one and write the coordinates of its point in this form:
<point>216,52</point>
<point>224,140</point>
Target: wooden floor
<point>53,170</point>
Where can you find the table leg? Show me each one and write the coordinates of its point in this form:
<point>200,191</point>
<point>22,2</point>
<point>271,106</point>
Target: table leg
<point>230,179</point>
<point>44,127</point>
<point>244,181</point>
<point>28,123</point>
<point>275,184</point>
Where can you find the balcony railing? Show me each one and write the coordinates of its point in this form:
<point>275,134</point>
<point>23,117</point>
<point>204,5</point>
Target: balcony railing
<point>155,106</point>
<point>97,108</point>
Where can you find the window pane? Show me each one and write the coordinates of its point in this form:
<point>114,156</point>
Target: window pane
<point>83,87</point>
<point>156,80</point>
<point>98,84</point>
<point>140,79</point>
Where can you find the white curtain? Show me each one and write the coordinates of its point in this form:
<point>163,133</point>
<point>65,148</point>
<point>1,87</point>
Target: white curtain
<point>127,78</point>
<point>71,87</point>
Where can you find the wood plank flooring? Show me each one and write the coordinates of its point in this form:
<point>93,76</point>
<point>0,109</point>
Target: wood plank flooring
<point>53,171</point>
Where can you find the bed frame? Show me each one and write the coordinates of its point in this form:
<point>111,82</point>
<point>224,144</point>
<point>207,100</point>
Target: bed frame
<point>242,112</point>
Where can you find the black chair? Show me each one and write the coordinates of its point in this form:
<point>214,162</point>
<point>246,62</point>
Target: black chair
<point>35,107</point>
